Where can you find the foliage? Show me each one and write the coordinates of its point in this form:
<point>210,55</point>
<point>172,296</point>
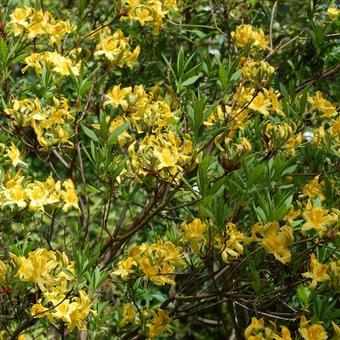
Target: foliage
<point>169,169</point>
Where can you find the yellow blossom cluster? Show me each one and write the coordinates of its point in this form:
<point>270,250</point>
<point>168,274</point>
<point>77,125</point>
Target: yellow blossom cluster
<point>317,272</point>
<point>36,195</point>
<point>233,118</point>
<point>318,218</point>
<point>231,244</point>
<point>163,153</point>
<point>52,272</point>
<point>257,72</point>
<point>3,271</point>
<point>265,102</point>
<point>193,233</point>
<point>159,323</point>
<point>144,110</point>
<point>13,154</point>
<point>58,63</point>
<point>281,135</point>
<point>322,105</point>
<point>232,151</point>
<point>129,315</point>
<point>36,23</point>
<point>116,48</point>
<point>314,189</point>
<point>311,331</point>
<point>275,239</point>
<point>160,151</point>
<point>156,262</point>
<point>333,12</point>
<point>249,37</point>
<point>257,330</point>
<point>149,12</point>
<point>51,123</point>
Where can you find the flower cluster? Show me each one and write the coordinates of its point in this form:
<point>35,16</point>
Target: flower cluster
<point>145,111</point>
<point>51,123</point>
<point>156,262</point>
<point>248,37</point>
<point>230,245</point>
<point>193,233</point>
<point>36,194</point>
<point>258,330</point>
<point>161,151</point>
<point>275,239</point>
<point>116,48</point>
<point>257,72</point>
<point>52,272</point>
<point>36,23</point>
<point>163,154</point>
<point>149,12</point>
<point>58,63</point>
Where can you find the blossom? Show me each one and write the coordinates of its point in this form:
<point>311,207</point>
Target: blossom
<point>274,239</point>
<point>124,268</point>
<point>116,49</point>
<point>255,326</point>
<point>246,36</point>
<point>231,245</point>
<point>313,189</point>
<point>311,332</point>
<point>3,271</point>
<point>129,315</point>
<point>321,104</point>
<point>260,104</point>
<point>193,233</point>
<point>317,272</point>
<point>317,218</point>
<point>158,324</point>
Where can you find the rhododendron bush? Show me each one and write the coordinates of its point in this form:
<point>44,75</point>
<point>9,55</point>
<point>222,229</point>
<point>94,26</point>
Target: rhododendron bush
<point>169,169</point>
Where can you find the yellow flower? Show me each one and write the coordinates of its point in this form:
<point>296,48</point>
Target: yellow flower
<point>69,196</point>
<point>260,104</point>
<point>275,240</point>
<point>116,48</point>
<point>317,218</point>
<point>57,30</point>
<point>313,189</point>
<point>129,315</point>
<point>285,334</point>
<point>255,326</point>
<point>124,268</point>
<point>277,243</point>
<point>246,36</point>
<point>3,271</point>
<point>19,19</point>
<point>15,195</point>
<point>311,332</point>
<point>257,72</point>
<point>318,272</point>
<point>14,154</point>
<point>194,233</point>
<point>118,97</point>
<point>231,245</point>
<point>39,311</point>
<point>159,324</point>
<point>333,12</point>
<point>166,159</point>
<point>143,15</point>
<point>323,105</point>
<point>37,268</point>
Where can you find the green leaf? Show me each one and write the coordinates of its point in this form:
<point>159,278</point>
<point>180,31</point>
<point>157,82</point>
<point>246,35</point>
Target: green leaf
<point>191,80</point>
<point>90,133</point>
